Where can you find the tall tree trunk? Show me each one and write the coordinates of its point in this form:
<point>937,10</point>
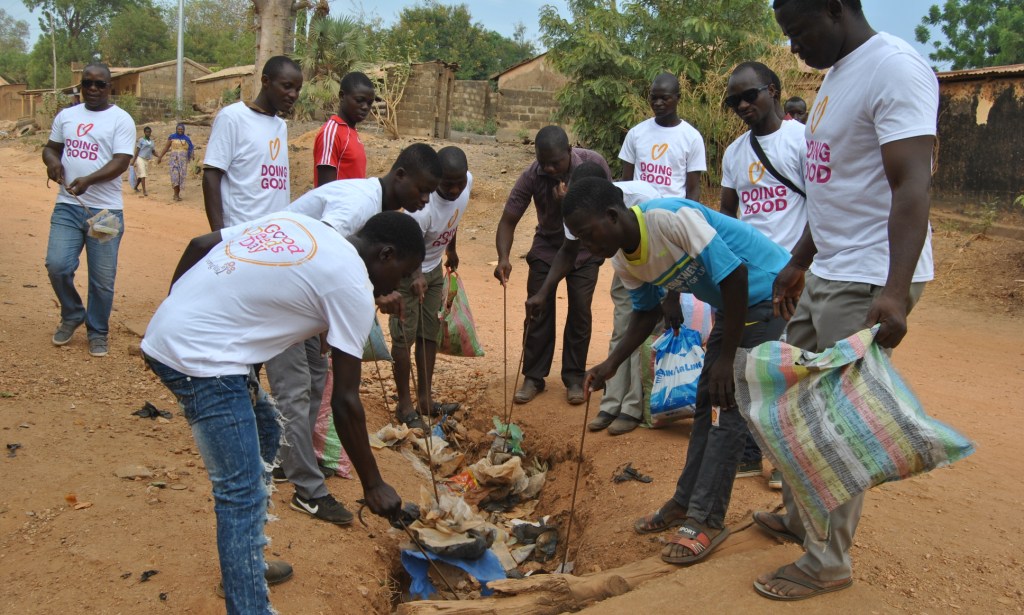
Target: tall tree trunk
<point>275,30</point>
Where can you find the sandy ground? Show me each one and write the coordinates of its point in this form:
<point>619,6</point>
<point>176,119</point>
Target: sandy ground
<point>941,543</point>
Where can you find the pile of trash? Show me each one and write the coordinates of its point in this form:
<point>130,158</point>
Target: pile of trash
<point>480,527</point>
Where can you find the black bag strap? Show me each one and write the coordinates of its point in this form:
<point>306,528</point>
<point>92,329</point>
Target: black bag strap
<point>768,166</point>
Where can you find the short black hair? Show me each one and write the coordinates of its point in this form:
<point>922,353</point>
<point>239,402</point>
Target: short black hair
<point>100,65</point>
<point>419,157</point>
<point>276,64</point>
<point>453,159</point>
<point>398,230</point>
<point>354,80</point>
<point>814,4</point>
<point>591,195</point>
<point>587,169</point>
<point>668,79</point>
<point>796,99</point>
<point>551,139</point>
<point>763,73</point>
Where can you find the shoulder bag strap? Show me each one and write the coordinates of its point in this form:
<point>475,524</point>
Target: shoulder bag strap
<point>768,166</point>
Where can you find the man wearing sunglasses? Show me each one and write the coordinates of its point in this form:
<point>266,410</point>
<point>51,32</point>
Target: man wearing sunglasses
<point>763,188</point>
<point>90,147</point>
<point>867,245</point>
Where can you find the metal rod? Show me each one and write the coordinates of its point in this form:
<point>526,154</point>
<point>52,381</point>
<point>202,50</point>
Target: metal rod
<point>576,484</point>
<point>430,428</point>
<point>433,564</point>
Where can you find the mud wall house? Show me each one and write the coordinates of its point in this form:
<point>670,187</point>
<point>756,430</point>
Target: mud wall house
<point>426,106</point>
<point>13,105</point>
<point>526,98</point>
<point>210,89</point>
<point>981,144</point>
<point>154,86</point>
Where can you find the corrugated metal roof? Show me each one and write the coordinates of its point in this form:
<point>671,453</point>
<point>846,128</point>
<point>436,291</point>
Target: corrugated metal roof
<point>1010,70</point>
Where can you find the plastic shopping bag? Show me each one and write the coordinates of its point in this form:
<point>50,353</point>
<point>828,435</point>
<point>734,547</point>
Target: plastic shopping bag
<point>839,422</point>
<point>457,335</point>
<point>376,347</point>
<point>678,361</point>
<point>697,315</point>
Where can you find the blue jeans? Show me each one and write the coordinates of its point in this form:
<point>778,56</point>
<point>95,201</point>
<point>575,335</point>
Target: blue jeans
<point>68,234</point>
<point>238,440</point>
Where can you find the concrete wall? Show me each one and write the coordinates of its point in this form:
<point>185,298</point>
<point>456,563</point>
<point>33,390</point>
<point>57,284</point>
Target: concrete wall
<point>981,147</point>
<point>425,108</point>
<point>472,102</point>
<point>521,113</point>
<point>207,91</point>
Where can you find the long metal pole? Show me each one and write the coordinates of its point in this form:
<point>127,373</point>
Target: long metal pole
<point>180,85</point>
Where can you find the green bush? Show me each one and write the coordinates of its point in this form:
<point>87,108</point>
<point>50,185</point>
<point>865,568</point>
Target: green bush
<point>129,103</point>
<point>490,127</point>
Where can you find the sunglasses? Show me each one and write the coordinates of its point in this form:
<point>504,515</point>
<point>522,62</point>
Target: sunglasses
<point>747,96</point>
<point>97,83</point>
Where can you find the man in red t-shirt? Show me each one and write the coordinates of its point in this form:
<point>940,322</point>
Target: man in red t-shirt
<point>337,152</point>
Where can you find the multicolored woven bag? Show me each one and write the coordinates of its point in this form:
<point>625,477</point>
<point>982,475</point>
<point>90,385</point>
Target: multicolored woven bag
<point>839,422</point>
<point>457,335</point>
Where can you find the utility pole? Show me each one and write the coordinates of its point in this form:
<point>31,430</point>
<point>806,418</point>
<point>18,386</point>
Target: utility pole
<point>53,46</point>
<point>179,86</point>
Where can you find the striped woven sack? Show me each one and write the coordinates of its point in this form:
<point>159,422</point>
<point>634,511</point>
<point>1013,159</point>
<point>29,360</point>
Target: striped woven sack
<point>839,422</point>
<point>457,334</point>
<point>326,443</point>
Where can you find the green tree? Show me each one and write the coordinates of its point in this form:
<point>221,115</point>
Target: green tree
<point>138,36</point>
<point>217,32</point>
<point>13,48</point>
<point>975,33</point>
<point>610,55</point>
<point>435,31</point>
<point>331,48</point>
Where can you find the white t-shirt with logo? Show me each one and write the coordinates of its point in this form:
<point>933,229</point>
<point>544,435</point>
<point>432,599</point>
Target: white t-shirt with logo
<point>634,192</point>
<point>345,204</point>
<point>271,283</point>
<point>882,92</point>
<point>90,140</point>
<point>439,221</point>
<point>765,202</point>
<point>663,156</point>
<point>252,150</point>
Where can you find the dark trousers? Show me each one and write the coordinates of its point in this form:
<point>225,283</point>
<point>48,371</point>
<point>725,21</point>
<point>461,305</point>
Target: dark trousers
<point>705,486</point>
<point>540,340</point>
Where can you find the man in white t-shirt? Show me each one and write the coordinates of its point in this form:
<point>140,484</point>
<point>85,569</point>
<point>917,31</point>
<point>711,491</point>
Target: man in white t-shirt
<point>867,170</point>
<point>622,405</point>
<point>297,376</point>
<point>423,292</point>
<point>752,192</point>
<point>665,150</point>
<point>90,146</point>
<point>240,297</point>
<point>245,172</point>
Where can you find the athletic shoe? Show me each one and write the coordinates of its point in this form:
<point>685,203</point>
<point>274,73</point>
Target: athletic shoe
<point>64,332</point>
<point>775,480</point>
<point>277,474</point>
<point>98,346</point>
<point>277,572</point>
<point>749,468</point>
<point>325,508</point>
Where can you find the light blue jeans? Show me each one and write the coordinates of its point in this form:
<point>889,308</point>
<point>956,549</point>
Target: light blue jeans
<point>237,440</point>
<point>68,235</point>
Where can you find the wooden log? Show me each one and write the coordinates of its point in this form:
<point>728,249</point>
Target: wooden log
<point>547,594</point>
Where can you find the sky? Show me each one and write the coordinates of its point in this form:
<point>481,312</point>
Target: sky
<point>898,17</point>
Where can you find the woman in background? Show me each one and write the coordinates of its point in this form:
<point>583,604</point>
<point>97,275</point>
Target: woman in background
<point>181,149</point>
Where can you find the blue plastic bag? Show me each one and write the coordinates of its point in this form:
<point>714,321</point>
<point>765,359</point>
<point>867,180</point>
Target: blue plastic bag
<point>678,361</point>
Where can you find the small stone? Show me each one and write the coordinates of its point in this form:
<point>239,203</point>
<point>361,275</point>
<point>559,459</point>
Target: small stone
<point>365,591</point>
<point>133,472</point>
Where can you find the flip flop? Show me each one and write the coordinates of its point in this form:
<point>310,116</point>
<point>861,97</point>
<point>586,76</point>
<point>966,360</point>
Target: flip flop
<point>413,421</point>
<point>816,590</point>
<point>783,535</point>
<point>653,523</point>
<point>694,540</point>
<point>439,409</point>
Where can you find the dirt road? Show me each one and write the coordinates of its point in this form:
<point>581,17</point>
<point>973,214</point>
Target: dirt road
<point>942,543</point>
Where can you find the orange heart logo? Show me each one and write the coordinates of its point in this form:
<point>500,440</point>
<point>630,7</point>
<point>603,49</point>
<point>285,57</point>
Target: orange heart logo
<point>817,113</point>
<point>83,129</point>
<point>275,148</point>
<point>755,169</point>
<point>454,217</point>
<point>658,150</point>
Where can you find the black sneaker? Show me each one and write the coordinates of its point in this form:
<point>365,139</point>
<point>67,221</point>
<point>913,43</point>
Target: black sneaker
<point>325,508</point>
<point>749,468</point>
<point>277,474</point>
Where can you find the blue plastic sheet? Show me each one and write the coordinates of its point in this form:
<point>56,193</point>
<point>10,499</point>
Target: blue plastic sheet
<point>485,569</point>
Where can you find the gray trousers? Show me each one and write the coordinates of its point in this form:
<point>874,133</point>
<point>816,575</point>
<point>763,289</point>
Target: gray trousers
<point>705,486</point>
<point>297,377</point>
<point>624,392</point>
<point>828,312</point>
